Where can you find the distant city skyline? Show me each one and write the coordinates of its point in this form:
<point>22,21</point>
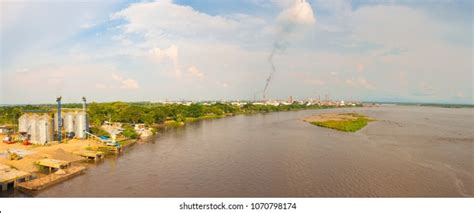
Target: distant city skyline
<point>389,51</point>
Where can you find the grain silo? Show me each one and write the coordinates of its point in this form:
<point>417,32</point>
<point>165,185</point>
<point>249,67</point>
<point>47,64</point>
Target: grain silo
<point>32,128</point>
<point>69,119</point>
<point>23,123</point>
<point>55,120</point>
<point>81,125</point>
<point>44,128</point>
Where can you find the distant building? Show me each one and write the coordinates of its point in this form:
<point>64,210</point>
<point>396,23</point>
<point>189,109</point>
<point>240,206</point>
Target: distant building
<point>4,130</point>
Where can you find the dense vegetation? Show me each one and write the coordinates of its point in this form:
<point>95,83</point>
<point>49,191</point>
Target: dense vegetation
<point>159,113</point>
<point>10,114</point>
<point>347,125</point>
<point>99,132</point>
<point>129,132</point>
<point>151,113</point>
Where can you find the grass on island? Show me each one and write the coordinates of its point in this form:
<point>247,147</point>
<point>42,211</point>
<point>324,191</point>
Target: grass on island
<point>352,123</point>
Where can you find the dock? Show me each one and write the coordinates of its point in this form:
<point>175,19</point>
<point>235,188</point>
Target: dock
<point>91,155</point>
<point>110,149</point>
<point>11,177</point>
<point>51,179</point>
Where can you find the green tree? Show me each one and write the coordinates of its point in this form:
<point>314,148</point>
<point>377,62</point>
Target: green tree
<point>194,110</point>
<point>129,132</point>
<point>158,113</point>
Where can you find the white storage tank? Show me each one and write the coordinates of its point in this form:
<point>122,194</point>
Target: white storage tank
<point>56,120</point>
<point>44,129</point>
<point>23,123</point>
<point>81,124</point>
<point>69,119</point>
<point>32,128</point>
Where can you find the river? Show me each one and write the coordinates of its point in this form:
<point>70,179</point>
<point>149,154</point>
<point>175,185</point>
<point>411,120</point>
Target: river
<point>408,151</point>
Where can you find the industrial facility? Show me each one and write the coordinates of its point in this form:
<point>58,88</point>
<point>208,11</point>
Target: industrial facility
<point>43,127</point>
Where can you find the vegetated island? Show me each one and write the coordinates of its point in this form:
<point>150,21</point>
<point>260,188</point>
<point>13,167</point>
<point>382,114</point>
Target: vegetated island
<point>347,122</point>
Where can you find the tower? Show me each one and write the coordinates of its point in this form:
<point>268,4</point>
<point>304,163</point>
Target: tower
<point>84,109</point>
<point>60,122</point>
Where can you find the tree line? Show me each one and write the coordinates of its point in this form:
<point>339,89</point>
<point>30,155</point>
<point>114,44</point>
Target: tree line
<point>150,113</point>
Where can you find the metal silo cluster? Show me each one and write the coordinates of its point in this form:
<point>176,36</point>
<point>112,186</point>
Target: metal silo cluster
<point>74,124</point>
<point>38,128</point>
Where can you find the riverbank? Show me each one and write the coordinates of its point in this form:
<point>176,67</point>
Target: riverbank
<point>407,152</point>
<point>72,151</point>
<point>69,152</point>
<point>187,120</point>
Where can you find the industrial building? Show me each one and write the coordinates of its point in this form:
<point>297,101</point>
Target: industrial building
<point>42,127</point>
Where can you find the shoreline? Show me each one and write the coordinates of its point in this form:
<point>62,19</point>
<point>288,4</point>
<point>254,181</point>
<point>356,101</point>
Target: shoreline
<point>68,150</point>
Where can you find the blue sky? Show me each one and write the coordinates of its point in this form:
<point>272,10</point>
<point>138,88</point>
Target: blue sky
<point>373,50</point>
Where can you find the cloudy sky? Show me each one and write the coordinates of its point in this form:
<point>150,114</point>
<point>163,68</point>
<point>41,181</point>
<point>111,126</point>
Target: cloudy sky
<point>371,50</point>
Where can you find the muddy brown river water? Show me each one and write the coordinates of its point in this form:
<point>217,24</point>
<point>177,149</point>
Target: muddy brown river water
<point>408,151</point>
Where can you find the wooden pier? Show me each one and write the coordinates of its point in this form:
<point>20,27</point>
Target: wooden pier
<point>91,155</point>
<point>110,149</point>
<point>51,179</point>
<point>11,177</point>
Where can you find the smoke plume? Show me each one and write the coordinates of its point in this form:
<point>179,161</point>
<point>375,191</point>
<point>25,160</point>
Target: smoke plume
<point>292,20</point>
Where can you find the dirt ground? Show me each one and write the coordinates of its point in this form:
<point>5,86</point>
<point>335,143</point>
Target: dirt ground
<point>61,151</point>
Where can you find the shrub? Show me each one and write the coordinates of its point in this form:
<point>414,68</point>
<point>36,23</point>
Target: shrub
<point>99,132</point>
<point>129,132</point>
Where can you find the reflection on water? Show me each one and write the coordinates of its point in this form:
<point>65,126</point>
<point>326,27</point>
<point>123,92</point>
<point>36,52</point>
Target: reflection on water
<point>409,151</point>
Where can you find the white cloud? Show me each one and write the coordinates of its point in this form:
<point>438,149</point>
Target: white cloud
<point>299,13</point>
<point>385,46</point>
<point>283,3</point>
<point>360,67</point>
<point>43,83</point>
<point>294,22</point>
<point>170,53</point>
<point>393,26</point>
<point>125,83</point>
<point>29,29</point>
<point>359,82</point>
<point>339,7</point>
<point>194,71</point>
<point>222,84</point>
<point>101,86</point>
<point>165,19</point>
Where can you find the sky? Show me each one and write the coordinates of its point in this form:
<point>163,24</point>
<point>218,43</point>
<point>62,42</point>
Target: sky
<point>367,50</point>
